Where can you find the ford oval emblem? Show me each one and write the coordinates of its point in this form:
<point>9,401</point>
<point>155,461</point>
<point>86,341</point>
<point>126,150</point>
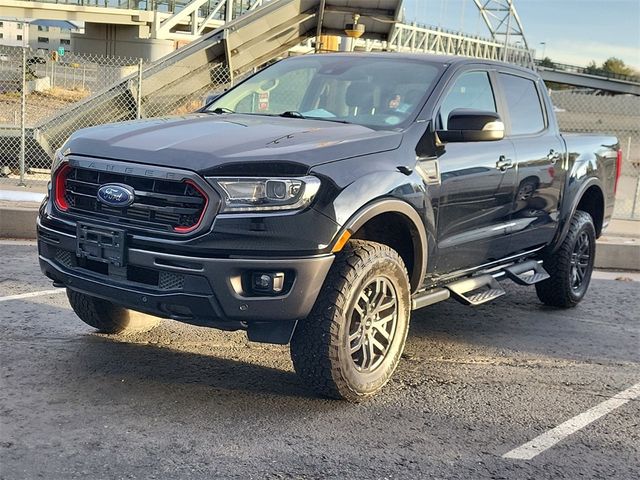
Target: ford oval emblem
<point>116,195</point>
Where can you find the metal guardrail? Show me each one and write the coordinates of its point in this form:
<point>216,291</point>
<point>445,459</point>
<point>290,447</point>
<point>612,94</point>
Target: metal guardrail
<point>421,38</point>
<point>588,71</point>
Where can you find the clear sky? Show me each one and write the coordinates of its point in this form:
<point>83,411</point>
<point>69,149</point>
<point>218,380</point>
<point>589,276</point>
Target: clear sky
<point>575,31</point>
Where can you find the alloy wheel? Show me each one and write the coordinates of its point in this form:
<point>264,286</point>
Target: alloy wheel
<point>372,325</point>
<point>580,261</point>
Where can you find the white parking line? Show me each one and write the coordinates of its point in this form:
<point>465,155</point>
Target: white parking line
<point>31,294</point>
<point>562,431</point>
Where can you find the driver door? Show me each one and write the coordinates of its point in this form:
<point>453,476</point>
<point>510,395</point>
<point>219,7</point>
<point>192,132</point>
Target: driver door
<point>477,182</point>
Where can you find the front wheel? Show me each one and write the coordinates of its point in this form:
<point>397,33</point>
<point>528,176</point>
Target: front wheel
<point>351,342</point>
<point>571,265</point>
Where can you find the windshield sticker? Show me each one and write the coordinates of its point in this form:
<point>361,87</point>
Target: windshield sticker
<point>263,101</point>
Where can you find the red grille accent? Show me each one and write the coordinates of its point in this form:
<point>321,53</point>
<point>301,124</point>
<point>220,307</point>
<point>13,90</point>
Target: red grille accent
<point>61,178</point>
<point>204,209</point>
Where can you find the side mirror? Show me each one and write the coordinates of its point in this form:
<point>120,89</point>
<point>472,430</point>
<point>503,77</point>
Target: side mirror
<point>466,125</point>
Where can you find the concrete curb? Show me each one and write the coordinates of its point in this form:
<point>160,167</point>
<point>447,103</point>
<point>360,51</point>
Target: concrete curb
<point>18,222</point>
<point>618,253</point>
<point>614,253</point>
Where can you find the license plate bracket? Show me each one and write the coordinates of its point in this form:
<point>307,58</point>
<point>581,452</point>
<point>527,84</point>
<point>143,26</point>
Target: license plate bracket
<point>101,244</point>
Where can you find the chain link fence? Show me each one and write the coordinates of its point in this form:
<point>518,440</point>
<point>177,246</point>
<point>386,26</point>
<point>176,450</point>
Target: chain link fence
<point>43,101</point>
<point>616,115</point>
<point>35,93</point>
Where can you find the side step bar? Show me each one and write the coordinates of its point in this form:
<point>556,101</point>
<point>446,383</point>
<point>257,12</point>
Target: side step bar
<point>483,288</point>
<point>476,290</point>
<point>526,273</point>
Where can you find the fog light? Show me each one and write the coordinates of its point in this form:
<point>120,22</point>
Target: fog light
<point>267,282</point>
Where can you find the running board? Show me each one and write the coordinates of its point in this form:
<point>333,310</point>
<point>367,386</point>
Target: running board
<point>476,290</point>
<point>526,273</point>
<point>424,299</point>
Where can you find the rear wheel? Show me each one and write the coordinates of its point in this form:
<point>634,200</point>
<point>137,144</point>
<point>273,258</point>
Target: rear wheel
<point>351,342</point>
<point>107,317</point>
<point>571,265</point>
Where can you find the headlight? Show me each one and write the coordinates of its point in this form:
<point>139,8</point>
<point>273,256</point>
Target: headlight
<point>265,194</point>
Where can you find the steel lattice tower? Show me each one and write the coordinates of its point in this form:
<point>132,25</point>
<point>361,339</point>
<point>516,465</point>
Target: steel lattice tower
<point>503,23</point>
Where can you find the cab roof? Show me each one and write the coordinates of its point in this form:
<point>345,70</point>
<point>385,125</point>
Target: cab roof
<point>443,60</point>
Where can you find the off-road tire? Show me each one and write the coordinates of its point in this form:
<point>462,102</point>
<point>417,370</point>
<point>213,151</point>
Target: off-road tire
<point>319,348</point>
<point>107,317</point>
<point>557,291</point>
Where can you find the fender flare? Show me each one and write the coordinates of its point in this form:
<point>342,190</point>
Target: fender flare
<point>566,221</point>
<point>416,226</point>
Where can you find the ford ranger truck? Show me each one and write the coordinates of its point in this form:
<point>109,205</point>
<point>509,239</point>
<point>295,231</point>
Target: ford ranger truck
<point>322,200</point>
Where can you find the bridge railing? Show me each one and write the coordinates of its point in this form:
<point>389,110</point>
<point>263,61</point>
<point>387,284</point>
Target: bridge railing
<point>596,71</point>
<point>425,39</point>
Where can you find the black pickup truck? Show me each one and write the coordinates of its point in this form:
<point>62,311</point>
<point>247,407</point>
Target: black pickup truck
<point>324,198</point>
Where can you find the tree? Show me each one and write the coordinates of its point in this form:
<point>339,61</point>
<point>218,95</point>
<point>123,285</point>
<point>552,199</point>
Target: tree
<point>593,69</point>
<point>546,62</point>
<point>617,66</point>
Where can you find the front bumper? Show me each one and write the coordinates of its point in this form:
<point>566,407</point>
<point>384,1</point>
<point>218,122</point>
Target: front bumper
<point>197,290</point>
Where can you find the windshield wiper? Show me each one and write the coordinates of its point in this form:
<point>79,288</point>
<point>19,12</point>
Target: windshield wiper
<point>221,110</point>
<point>327,119</point>
<point>294,114</point>
<point>291,114</point>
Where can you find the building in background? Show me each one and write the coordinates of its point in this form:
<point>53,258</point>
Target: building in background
<point>14,32</point>
<point>43,35</point>
<point>50,35</point>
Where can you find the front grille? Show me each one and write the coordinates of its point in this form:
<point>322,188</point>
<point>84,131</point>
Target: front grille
<point>160,204</point>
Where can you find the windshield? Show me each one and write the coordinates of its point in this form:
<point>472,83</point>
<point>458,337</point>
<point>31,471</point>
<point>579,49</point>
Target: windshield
<point>374,91</point>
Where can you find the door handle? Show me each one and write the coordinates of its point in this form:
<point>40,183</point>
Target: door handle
<point>504,163</point>
<point>553,156</point>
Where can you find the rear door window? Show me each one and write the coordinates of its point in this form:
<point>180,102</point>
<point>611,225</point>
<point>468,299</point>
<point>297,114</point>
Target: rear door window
<point>523,103</point>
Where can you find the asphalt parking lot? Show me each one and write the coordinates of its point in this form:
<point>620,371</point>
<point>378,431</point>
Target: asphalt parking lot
<point>187,402</point>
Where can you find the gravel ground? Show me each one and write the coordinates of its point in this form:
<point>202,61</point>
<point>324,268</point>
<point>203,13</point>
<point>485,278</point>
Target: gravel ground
<point>188,402</point>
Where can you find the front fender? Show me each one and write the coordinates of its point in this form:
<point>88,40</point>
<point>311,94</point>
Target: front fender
<point>358,200</point>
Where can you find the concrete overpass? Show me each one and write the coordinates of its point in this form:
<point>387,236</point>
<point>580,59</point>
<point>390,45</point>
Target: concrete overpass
<point>581,77</point>
<point>163,19</point>
<point>148,29</point>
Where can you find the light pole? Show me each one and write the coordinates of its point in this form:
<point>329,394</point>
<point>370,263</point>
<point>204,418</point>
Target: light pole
<point>544,48</point>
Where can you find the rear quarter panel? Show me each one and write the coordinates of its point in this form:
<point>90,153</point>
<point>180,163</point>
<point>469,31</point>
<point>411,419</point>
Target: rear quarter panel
<point>591,160</point>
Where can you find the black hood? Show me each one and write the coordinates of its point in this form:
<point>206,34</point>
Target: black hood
<point>210,144</point>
